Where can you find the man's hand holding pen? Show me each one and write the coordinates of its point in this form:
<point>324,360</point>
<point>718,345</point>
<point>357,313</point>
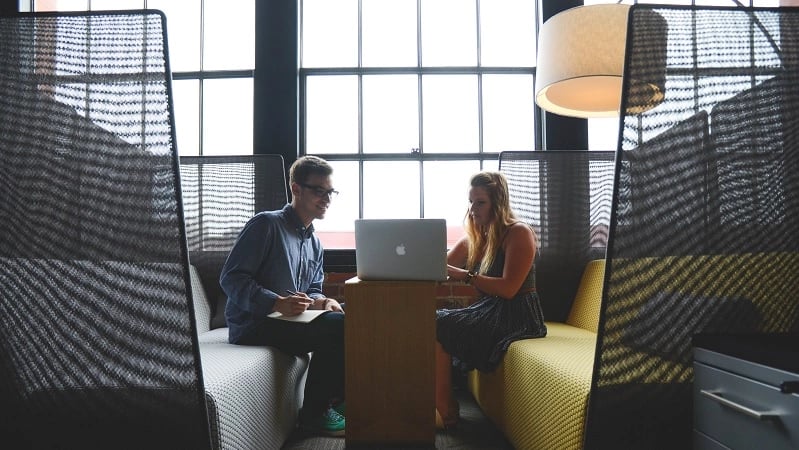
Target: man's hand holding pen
<point>292,304</point>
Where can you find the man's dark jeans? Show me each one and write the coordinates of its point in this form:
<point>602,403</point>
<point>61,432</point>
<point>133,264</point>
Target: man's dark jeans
<point>324,337</point>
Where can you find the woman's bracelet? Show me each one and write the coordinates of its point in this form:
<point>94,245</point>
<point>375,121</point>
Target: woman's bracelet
<point>469,276</point>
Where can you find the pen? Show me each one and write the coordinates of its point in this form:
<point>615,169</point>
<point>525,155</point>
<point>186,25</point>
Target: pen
<point>292,292</point>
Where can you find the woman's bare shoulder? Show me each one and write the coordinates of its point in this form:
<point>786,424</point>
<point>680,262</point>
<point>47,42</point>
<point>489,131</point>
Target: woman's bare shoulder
<point>520,227</point>
<point>520,232</point>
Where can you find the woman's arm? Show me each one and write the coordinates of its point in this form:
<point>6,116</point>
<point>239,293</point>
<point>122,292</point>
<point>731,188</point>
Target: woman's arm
<point>519,249</point>
<point>456,259</point>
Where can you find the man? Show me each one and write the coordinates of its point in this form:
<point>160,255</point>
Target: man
<point>276,266</point>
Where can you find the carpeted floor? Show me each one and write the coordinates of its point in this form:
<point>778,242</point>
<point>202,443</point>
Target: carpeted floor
<point>474,431</point>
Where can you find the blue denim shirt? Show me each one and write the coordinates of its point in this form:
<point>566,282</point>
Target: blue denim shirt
<point>274,252</point>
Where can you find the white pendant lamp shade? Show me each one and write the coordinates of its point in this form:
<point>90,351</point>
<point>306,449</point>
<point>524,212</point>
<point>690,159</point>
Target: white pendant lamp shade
<point>581,62</point>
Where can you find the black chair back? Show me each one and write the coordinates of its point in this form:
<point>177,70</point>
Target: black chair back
<point>220,194</point>
<point>566,197</point>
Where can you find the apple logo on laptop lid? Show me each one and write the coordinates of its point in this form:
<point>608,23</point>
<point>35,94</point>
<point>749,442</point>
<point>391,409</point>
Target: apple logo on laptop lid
<point>400,250</point>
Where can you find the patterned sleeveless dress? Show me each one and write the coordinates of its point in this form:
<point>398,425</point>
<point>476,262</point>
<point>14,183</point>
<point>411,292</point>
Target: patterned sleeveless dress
<point>478,336</point>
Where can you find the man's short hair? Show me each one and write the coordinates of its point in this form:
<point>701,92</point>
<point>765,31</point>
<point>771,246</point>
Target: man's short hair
<point>307,166</point>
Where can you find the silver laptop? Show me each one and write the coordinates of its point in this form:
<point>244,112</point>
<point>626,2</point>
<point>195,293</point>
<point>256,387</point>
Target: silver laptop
<point>401,249</point>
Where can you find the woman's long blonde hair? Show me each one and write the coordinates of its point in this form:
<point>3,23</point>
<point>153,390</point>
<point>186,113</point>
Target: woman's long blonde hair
<point>486,240</point>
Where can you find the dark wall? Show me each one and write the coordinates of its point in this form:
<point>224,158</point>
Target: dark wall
<point>275,115</point>
<point>8,6</point>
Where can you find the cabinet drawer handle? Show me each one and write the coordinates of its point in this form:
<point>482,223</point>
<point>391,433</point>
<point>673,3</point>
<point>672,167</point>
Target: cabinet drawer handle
<point>759,415</point>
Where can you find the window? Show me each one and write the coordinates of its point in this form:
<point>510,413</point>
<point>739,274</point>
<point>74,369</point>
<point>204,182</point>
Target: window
<point>405,98</point>
<point>408,98</point>
<point>212,57</point>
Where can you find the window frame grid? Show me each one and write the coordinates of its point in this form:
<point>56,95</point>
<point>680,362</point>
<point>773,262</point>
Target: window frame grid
<point>417,154</point>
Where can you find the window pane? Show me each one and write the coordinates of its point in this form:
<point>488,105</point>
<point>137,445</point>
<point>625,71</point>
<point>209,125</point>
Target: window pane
<point>390,189</point>
<point>449,33</point>
<point>390,113</point>
<point>61,5</point>
<point>507,35</point>
<point>183,30</point>
<point>186,100</point>
<point>229,42</point>
<point>603,133</point>
<point>337,226</point>
<point>329,33</point>
<point>100,5</point>
<point>450,114</point>
<point>331,115</point>
<point>508,122</point>
<point>389,33</point>
<point>491,164</point>
<point>227,117</point>
<point>446,193</point>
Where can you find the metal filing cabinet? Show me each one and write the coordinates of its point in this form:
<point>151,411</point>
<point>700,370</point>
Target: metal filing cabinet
<point>746,392</point>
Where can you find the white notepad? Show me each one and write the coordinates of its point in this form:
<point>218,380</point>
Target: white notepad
<point>305,316</point>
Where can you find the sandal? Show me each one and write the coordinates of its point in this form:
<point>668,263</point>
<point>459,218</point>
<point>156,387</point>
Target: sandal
<point>451,417</point>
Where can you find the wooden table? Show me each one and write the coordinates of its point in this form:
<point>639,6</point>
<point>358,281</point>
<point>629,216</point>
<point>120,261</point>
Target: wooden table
<point>390,362</point>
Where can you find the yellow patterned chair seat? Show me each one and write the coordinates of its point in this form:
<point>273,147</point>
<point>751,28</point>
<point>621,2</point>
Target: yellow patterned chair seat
<point>539,394</point>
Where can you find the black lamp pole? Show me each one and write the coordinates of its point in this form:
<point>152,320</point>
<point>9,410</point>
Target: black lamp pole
<point>561,132</point>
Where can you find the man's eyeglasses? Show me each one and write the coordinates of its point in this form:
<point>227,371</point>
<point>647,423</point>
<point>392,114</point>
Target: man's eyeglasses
<point>319,191</point>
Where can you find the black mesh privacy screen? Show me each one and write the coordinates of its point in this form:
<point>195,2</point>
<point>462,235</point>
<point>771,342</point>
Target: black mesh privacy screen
<point>705,223</point>
<point>97,342</point>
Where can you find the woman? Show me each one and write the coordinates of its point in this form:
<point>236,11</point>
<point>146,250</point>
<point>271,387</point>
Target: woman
<point>496,257</point>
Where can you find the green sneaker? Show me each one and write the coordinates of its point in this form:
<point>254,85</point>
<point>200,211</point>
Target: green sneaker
<point>329,423</point>
<point>341,408</point>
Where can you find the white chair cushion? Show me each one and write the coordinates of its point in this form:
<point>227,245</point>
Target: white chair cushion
<point>202,309</point>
